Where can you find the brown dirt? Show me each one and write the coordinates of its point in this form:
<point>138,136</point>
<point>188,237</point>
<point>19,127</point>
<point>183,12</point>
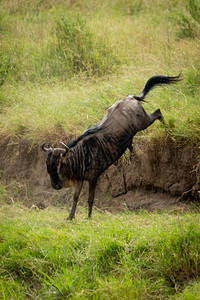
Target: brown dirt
<point>155,176</point>
<point>141,199</point>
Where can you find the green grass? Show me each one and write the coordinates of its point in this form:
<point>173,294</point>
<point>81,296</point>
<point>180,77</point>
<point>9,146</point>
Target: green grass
<point>62,64</point>
<point>122,256</point>
<point>36,111</point>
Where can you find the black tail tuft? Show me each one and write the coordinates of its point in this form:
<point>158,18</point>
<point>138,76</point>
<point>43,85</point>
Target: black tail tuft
<point>158,81</point>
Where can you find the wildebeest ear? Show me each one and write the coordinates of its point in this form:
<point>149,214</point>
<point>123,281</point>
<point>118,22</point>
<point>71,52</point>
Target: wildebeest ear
<point>59,151</point>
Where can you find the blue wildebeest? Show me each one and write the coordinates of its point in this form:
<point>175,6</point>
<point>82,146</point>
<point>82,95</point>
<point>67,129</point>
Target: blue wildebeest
<point>87,157</point>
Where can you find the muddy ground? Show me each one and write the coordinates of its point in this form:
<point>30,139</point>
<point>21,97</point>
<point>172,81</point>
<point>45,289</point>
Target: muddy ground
<point>155,176</point>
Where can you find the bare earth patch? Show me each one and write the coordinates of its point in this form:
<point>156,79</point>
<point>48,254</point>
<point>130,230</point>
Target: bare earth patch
<point>148,200</point>
<point>155,176</point>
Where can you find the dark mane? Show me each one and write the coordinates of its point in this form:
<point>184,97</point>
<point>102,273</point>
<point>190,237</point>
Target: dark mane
<point>87,132</point>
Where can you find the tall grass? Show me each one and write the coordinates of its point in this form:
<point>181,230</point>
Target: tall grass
<point>62,64</point>
<point>129,256</point>
<point>79,50</point>
<point>35,112</point>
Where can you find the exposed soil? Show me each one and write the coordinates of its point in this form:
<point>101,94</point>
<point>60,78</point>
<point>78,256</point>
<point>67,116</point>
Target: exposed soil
<point>155,176</point>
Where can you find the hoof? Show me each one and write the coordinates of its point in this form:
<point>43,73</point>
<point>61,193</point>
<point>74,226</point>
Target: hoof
<point>70,218</point>
<point>162,120</point>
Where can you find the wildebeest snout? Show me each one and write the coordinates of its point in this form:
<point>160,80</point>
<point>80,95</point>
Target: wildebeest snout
<point>57,186</point>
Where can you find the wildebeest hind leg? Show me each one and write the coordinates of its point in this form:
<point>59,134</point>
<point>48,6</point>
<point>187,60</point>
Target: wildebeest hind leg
<point>156,115</point>
<point>78,188</point>
<point>92,186</point>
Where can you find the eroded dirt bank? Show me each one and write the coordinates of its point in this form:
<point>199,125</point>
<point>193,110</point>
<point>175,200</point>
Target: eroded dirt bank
<point>154,176</point>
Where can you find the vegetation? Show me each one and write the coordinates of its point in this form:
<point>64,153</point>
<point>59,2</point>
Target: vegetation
<point>63,63</point>
<point>45,257</point>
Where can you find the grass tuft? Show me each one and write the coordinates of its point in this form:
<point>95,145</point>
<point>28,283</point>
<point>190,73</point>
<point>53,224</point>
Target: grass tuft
<point>79,50</point>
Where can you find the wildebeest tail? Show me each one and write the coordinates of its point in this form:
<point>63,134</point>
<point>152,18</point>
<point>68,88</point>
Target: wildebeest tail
<point>157,81</point>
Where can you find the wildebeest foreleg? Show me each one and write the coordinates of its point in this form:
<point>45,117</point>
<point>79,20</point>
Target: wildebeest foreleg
<point>78,188</point>
<point>92,186</point>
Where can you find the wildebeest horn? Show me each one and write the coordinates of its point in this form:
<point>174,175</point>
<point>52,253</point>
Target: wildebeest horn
<point>49,150</point>
<point>65,146</point>
<point>55,151</point>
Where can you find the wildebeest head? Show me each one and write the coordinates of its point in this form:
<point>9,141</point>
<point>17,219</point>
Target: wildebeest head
<point>52,162</point>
